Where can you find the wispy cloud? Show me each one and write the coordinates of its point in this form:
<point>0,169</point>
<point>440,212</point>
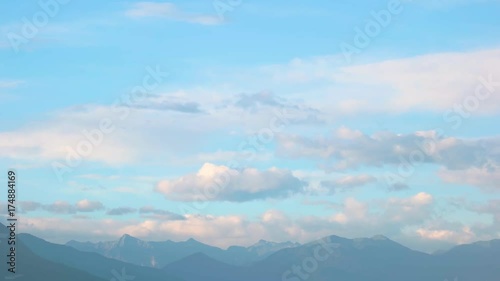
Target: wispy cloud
<point>63,207</point>
<point>169,11</point>
<point>9,84</point>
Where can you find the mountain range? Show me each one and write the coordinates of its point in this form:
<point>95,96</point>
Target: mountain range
<point>331,258</point>
<point>159,254</point>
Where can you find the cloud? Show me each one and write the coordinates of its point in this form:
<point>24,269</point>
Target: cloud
<point>350,149</point>
<point>151,212</point>
<point>398,186</point>
<point>412,220</point>
<point>29,206</point>
<point>132,140</point>
<point>169,11</point>
<point>120,211</point>
<point>348,182</point>
<point>438,82</point>
<point>251,101</point>
<point>458,236</point>
<point>221,183</point>
<point>170,103</point>
<point>89,206</point>
<point>63,207</point>
<point>9,84</point>
<point>399,218</point>
<point>60,207</point>
<point>486,177</point>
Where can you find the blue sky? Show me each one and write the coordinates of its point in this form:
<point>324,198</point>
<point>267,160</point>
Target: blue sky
<point>257,110</point>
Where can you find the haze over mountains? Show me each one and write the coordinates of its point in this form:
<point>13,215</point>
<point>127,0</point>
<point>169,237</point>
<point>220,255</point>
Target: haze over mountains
<point>158,254</point>
<point>331,258</point>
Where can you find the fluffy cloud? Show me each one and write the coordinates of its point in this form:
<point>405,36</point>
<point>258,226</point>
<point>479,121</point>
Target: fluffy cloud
<point>89,206</point>
<point>221,183</point>
<point>486,177</point>
<point>458,236</point>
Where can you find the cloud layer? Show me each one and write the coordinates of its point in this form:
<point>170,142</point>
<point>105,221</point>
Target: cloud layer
<point>221,183</point>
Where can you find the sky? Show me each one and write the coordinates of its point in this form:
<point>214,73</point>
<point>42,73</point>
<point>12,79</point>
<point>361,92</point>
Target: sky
<point>235,121</point>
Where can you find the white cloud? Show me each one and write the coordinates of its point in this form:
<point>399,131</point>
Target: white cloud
<point>221,183</point>
<point>486,177</point>
<point>472,161</point>
<point>135,138</point>
<point>436,82</point>
<point>461,236</point>
<point>432,82</point>
<point>169,11</point>
<point>88,206</point>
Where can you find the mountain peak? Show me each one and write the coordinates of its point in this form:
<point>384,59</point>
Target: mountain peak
<point>380,237</point>
<point>194,242</point>
<point>126,236</point>
<point>126,239</point>
<point>262,242</point>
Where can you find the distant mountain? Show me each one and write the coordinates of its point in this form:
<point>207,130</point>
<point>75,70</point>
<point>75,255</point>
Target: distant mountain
<point>336,258</point>
<point>477,261</point>
<point>265,248</point>
<point>158,254</point>
<point>201,267</point>
<point>91,263</point>
<point>332,258</point>
<point>30,267</point>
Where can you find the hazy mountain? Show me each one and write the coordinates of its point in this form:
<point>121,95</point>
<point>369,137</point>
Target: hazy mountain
<point>92,263</point>
<point>336,258</point>
<point>30,267</point>
<point>332,258</point>
<point>201,267</point>
<point>265,248</point>
<point>477,261</point>
<point>158,254</point>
